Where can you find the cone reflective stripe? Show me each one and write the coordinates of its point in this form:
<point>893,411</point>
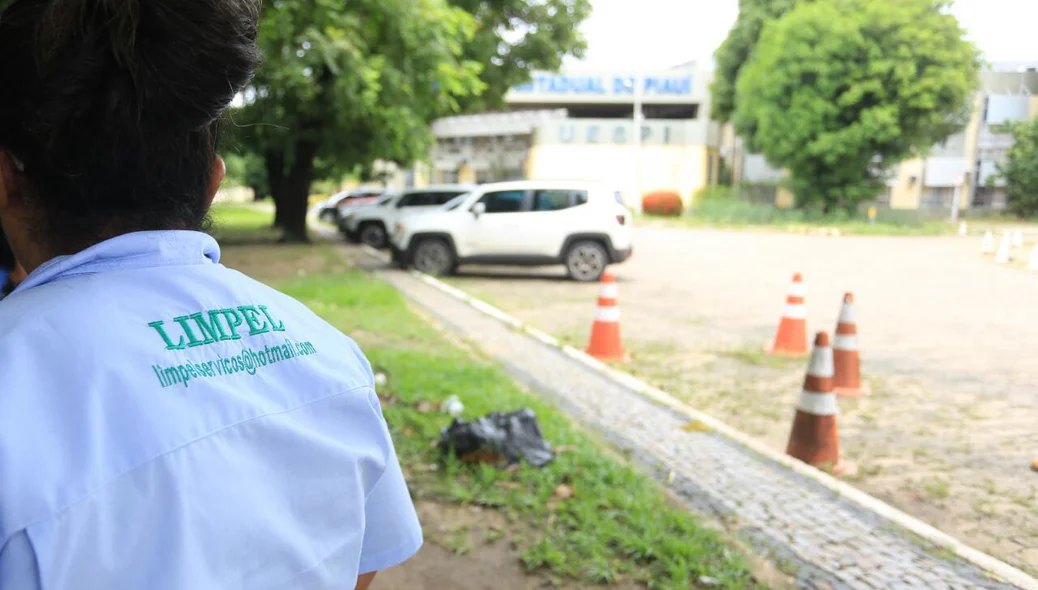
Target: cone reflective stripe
<point>606,344</point>
<point>963,229</point>
<point>814,438</point>
<point>1032,264</point>
<point>846,358</point>
<point>1004,249</point>
<point>987,245</point>
<point>791,336</point>
<point>1018,238</point>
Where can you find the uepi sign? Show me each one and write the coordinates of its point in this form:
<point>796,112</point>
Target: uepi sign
<point>571,86</point>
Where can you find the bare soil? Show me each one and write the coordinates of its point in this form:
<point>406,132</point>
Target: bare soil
<point>468,548</point>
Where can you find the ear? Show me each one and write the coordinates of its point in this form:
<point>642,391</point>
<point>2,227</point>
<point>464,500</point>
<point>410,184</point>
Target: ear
<point>218,172</point>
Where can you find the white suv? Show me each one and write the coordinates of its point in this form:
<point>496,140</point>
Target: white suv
<point>531,223</point>
<point>370,224</point>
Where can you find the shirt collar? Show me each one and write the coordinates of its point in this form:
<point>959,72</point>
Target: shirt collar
<point>146,249</point>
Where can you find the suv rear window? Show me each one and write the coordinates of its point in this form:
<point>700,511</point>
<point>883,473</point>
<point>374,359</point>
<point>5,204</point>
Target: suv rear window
<point>503,201</point>
<point>556,200</point>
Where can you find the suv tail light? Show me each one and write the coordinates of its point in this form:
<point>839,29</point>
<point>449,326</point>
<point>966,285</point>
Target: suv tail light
<point>621,219</point>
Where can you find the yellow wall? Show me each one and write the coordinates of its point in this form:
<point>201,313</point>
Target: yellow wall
<point>682,169</point>
<point>1032,111</point>
<point>904,193</point>
<point>466,174</point>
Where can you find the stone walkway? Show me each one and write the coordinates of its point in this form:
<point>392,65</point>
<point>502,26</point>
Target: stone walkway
<point>827,542</point>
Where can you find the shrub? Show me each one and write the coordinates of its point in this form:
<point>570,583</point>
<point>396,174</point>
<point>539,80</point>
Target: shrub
<point>714,193</point>
<point>665,203</point>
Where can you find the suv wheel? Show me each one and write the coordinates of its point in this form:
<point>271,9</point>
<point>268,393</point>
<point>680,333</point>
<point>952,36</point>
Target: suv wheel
<point>586,260</point>
<point>373,234</point>
<point>433,256</point>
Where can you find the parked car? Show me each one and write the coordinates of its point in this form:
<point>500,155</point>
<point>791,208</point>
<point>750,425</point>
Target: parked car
<point>581,225</point>
<point>370,224</point>
<point>328,210</point>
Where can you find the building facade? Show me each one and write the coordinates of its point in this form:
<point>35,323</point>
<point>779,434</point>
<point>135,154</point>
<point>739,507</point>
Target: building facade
<point>587,126</point>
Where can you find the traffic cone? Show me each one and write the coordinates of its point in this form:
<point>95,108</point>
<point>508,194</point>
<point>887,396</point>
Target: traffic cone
<point>1004,249</point>
<point>963,229</point>
<point>847,363</point>
<point>987,246</point>
<point>1018,238</point>
<point>605,332</point>
<point>791,336</point>
<point>814,438</point>
<point>1032,264</point>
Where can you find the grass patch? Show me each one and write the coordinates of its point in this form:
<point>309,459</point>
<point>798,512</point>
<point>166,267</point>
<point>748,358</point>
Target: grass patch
<point>242,224</point>
<point>734,213</point>
<point>938,489</point>
<point>618,524</point>
<point>760,358</point>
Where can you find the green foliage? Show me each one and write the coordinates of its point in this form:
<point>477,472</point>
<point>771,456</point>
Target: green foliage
<point>737,48</point>
<point>516,37</point>
<point>246,169</point>
<point>1020,170</point>
<point>347,83</point>
<point>839,91</point>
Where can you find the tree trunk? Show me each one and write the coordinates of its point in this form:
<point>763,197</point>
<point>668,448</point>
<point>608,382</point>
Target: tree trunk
<point>293,202</point>
<point>275,164</point>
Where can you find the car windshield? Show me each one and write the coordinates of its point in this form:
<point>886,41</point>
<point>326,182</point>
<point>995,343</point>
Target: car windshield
<point>384,200</point>
<point>455,202</point>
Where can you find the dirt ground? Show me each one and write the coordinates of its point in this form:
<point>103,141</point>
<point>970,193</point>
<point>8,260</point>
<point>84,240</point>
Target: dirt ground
<point>949,344</point>
<point>466,549</point>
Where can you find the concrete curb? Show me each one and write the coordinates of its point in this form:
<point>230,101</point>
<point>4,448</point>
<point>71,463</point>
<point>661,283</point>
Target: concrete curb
<point>994,567</point>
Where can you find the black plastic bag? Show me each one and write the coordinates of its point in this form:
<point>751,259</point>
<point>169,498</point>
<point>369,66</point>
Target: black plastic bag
<point>499,438</point>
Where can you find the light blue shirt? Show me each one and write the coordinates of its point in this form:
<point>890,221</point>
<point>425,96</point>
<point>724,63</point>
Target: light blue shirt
<point>167,423</point>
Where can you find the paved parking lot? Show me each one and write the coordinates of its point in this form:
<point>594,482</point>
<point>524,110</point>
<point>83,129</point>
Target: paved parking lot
<point>949,339</point>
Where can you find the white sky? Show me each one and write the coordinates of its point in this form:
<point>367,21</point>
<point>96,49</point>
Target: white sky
<point>656,34</point>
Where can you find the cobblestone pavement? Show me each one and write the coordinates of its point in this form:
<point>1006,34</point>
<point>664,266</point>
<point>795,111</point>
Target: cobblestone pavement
<point>826,542</point>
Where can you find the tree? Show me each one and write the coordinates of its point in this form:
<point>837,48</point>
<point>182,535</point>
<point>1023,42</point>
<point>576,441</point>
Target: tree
<point>349,83</point>
<point>1020,170</point>
<point>516,37</point>
<point>840,91</point>
<point>737,49</point>
<point>246,169</point>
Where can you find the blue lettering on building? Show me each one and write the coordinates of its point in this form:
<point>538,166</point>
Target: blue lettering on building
<point>586,85</point>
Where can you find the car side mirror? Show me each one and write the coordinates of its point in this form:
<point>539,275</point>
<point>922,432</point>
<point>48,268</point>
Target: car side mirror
<point>479,209</point>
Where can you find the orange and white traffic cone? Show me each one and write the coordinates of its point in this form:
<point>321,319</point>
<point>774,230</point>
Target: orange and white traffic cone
<point>814,438</point>
<point>846,361</point>
<point>606,344</point>
<point>791,336</point>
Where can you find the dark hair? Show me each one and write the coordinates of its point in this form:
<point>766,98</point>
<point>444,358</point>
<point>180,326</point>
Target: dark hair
<point>7,260</point>
<point>112,108</point>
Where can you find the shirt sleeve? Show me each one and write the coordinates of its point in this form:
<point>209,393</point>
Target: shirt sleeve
<point>392,533</point>
<point>18,564</point>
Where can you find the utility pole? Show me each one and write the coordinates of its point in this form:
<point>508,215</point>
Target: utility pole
<point>638,82</point>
